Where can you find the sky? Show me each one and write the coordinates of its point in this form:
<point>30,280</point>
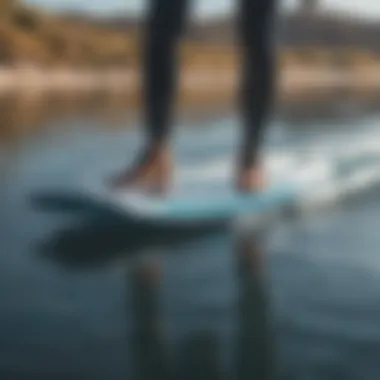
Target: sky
<point>201,8</point>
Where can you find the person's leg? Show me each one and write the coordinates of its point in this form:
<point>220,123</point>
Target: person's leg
<point>165,22</point>
<point>256,29</point>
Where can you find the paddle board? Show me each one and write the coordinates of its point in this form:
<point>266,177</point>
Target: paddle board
<point>184,208</point>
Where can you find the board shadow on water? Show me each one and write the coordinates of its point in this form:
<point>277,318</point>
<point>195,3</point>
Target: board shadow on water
<point>100,235</point>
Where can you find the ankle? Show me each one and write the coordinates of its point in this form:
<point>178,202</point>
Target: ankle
<point>158,146</point>
<point>249,166</point>
<point>249,160</point>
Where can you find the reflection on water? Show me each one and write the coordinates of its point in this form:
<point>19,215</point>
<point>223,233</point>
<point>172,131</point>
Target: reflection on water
<point>255,355</point>
<point>150,355</point>
<point>327,106</point>
<point>26,114</point>
<point>200,355</point>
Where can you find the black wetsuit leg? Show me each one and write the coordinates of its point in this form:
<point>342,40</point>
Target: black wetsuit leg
<point>256,31</point>
<point>165,23</point>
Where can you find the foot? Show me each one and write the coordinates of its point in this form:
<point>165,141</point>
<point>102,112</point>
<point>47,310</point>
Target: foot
<point>250,180</point>
<point>151,173</point>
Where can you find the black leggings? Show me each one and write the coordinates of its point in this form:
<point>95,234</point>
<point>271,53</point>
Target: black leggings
<point>166,20</point>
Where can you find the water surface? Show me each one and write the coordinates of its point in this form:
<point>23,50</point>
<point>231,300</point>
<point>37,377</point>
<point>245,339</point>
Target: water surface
<point>84,297</point>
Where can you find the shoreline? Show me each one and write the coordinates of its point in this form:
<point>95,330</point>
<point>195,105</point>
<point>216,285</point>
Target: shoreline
<point>62,80</point>
<point>195,80</point>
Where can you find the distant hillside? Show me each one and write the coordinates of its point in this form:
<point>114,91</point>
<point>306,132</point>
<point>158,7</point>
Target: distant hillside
<point>296,29</point>
<point>28,35</point>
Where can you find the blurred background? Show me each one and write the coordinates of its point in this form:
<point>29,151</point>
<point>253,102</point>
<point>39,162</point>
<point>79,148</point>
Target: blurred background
<point>86,297</point>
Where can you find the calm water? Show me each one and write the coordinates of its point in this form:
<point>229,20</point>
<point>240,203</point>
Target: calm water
<point>87,298</point>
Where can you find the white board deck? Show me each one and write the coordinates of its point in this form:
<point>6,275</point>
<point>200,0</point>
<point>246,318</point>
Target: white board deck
<point>187,209</point>
<point>205,193</point>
